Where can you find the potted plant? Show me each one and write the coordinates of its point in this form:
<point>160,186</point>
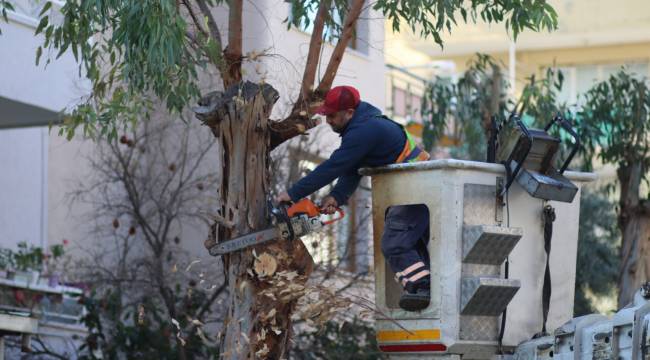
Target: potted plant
<point>50,276</point>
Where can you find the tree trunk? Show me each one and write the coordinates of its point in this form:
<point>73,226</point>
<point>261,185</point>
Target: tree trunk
<point>239,118</point>
<point>634,223</point>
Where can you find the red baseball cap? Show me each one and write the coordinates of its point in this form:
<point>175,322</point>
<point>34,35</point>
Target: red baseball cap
<point>339,98</point>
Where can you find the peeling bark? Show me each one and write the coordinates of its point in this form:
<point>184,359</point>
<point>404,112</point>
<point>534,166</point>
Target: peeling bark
<point>239,118</point>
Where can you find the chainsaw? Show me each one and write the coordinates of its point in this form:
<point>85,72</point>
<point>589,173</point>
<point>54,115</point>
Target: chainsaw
<point>288,223</point>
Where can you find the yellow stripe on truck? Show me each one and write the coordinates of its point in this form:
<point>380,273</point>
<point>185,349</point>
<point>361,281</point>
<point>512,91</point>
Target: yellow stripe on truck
<point>400,335</point>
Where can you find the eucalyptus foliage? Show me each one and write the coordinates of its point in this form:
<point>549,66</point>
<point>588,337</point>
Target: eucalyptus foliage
<point>434,17</point>
<point>5,6</point>
<point>615,121</point>
<point>598,246</point>
<point>139,52</point>
<point>460,109</point>
<point>539,101</point>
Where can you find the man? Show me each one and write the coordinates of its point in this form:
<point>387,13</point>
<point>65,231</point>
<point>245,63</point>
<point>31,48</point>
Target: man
<point>370,139</point>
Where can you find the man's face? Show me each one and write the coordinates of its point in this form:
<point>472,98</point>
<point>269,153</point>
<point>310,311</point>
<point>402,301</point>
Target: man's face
<point>339,120</point>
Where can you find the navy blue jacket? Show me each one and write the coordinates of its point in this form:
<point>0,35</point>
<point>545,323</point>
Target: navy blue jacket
<point>368,140</point>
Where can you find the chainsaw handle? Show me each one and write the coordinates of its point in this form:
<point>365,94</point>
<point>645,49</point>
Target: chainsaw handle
<point>340,212</point>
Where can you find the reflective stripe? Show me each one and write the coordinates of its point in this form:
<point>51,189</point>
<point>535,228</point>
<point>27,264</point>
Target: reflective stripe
<point>411,152</point>
<point>419,276</point>
<point>400,335</point>
<point>410,269</point>
<point>413,347</point>
<point>415,277</point>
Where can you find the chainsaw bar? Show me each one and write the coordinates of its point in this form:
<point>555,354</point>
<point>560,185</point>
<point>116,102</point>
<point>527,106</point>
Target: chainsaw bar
<point>245,241</point>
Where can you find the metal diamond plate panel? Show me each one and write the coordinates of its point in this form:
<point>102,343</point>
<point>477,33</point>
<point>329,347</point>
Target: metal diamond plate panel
<point>484,244</point>
<point>486,296</point>
<point>483,328</point>
<point>479,204</point>
<point>470,270</point>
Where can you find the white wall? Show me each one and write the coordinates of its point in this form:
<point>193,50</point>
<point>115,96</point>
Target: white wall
<point>23,186</point>
<point>53,87</point>
<point>24,151</point>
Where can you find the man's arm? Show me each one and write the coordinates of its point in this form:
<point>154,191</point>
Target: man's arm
<point>346,185</point>
<point>344,160</point>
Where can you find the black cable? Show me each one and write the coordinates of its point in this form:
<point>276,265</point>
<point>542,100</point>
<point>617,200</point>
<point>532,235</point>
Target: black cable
<point>506,269</point>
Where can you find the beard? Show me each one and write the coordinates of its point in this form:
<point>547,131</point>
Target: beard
<point>337,129</point>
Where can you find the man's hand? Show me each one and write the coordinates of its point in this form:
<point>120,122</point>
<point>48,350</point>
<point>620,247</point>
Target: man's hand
<point>328,205</point>
<point>283,197</point>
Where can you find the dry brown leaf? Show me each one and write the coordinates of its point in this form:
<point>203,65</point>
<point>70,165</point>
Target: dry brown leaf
<point>265,265</point>
<point>245,337</point>
<point>270,314</point>
<point>192,264</point>
<point>290,275</point>
<point>262,335</point>
<point>242,287</point>
<point>262,352</point>
<point>201,335</point>
<point>140,314</point>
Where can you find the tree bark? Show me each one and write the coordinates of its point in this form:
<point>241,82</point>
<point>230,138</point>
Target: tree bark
<point>239,118</point>
<point>634,223</point>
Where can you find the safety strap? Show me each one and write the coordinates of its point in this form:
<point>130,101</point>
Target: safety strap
<point>549,218</point>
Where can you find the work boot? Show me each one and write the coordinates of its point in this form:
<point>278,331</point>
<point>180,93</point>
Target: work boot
<point>415,298</point>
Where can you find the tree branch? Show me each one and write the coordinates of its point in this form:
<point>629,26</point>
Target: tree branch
<point>212,24</point>
<point>300,119</point>
<point>313,54</point>
<point>341,45</point>
<point>233,52</point>
<point>196,20</point>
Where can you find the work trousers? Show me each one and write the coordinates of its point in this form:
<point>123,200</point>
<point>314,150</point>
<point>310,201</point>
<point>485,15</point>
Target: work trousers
<point>404,244</point>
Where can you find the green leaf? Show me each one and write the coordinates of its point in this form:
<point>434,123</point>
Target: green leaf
<point>41,25</point>
<point>39,52</point>
<point>46,7</point>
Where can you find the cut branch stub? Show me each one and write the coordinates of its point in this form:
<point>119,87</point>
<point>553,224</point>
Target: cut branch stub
<point>218,101</point>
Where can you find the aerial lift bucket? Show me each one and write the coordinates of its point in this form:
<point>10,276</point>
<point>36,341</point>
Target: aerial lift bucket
<point>476,222</point>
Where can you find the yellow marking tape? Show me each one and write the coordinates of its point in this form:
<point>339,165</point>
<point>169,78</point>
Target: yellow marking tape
<point>399,335</point>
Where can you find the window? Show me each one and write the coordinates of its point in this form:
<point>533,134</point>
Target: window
<point>406,104</point>
<point>399,102</point>
<point>579,79</point>
<point>416,108</point>
<point>360,36</point>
